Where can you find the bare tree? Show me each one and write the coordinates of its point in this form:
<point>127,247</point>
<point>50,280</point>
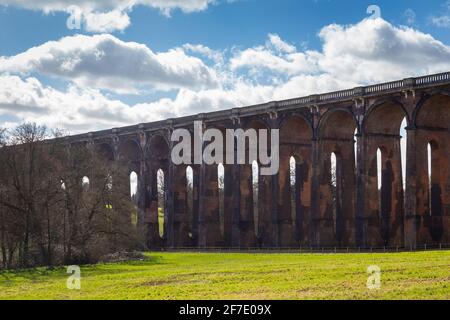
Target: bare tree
<point>46,216</point>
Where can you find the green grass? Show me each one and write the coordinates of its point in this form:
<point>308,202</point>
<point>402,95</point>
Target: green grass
<point>421,275</point>
<point>161,221</point>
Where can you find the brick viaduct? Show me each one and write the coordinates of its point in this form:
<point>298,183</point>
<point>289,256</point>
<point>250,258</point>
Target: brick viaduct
<point>353,124</point>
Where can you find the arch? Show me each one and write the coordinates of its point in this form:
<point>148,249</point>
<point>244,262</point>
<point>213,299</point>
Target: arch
<point>190,199</point>
<point>430,99</point>
<point>295,178</point>
<point>385,117</point>
<point>298,118</point>
<point>255,196</point>
<point>248,203</point>
<point>134,181</point>
<point>384,190</point>
<point>336,216</point>
<point>221,192</point>
<point>290,128</point>
<point>85,182</point>
<point>130,151</point>
<point>435,191</point>
<point>432,130</point>
<point>106,151</point>
<point>133,185</point>
<point>294,189</point>
<point>158,148</point>
<point>256,122</point>
<point>161,191</point>
<point>338,123</point>
<point>157,159</point>
<point>336,185</point>
<point>432,112</point>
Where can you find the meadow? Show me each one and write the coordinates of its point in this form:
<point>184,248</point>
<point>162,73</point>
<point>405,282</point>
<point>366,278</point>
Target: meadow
<point>409,275</point>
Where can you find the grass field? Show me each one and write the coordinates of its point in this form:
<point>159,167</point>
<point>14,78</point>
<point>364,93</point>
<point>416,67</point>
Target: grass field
<point>421,275</point>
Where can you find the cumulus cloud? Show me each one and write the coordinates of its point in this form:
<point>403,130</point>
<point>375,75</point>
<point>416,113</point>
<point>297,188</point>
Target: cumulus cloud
<point>374,50</point>
<point>442,20</point>
<point>371,51</point>
<point>107,15</point>
<point>105,62</point>
<point>106,22</point>
<point>364,53</point>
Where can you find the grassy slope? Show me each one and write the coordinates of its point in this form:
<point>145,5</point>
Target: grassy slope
<point>423,275</point>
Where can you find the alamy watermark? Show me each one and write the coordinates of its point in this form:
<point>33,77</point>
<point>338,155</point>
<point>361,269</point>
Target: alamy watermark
<point>374,279</point>
<point>240,145</point>
<point>375,11</point>
<point>74,280</point>
<point>75,18</point>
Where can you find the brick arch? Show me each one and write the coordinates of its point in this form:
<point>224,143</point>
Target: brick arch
<point>130,153</point>
<point>288,116</point>
<point>246,220</point>
<point>220,208</point>
<point>256,122</point>
<point>336,133</point>
<point>432,110</point>
<point>337,123</point>
<point>157,157</point>
<point>427,99</point>
<point>184,229</point>
<point>432,125</point>
<point>157,147</point>
<point>384,208</point>
<point>295,141</point>
<point>385,116</point>
<point>105,150</point>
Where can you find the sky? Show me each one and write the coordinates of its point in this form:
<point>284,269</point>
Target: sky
<point>84,65</point>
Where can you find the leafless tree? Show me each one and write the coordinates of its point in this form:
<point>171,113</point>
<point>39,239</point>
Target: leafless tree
<point>46,216</point>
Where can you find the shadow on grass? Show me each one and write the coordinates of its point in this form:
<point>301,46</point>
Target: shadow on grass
<point>41,274</point>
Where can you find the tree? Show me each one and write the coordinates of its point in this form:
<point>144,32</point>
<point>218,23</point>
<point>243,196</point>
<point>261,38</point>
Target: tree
<point>46,216</point>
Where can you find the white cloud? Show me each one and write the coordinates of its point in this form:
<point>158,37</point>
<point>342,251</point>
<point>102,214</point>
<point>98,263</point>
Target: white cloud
<point>108,15</point>
<point>371,51</point>
<point>105,62</point>
<point>106,22</point>
<point>374,50</point>
<point>442,20</point>
<point>214,55</point>
<point>281,45</point>
<point>368,52</point>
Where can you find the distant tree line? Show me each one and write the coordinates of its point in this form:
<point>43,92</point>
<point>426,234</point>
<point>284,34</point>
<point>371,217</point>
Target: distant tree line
<point>48,216</point>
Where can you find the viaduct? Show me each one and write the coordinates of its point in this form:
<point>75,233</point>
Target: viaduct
<point>355,126</point>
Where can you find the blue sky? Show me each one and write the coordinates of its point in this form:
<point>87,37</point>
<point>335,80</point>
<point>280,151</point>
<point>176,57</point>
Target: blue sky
<point>240,23</point>
<point>146,61</point>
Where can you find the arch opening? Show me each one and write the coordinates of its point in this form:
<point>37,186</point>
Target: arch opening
<point>190,198</point>
<point>403,144</point>
<point>293,188</point>
<point>385,133</point>
<point>434,190</point>
<point>134,197</point>
<point>336,194</point>
<point>161,202</point>
<point>85,182</point>
<point>133,186</point>
<point>432,121</point>
<point>221,188</point>
<point>255,196</point>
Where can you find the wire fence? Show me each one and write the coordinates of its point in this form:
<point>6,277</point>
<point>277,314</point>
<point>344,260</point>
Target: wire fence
<point>306,249</point>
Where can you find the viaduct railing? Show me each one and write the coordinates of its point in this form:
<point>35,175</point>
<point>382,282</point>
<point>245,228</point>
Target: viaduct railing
<point>325,98</point>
